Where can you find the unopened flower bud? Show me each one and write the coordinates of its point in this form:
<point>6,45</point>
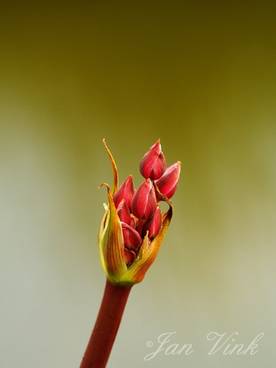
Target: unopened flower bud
<point>132,238</point>
<point>125,192</point>
<point>153,163</point>
<point>153,226</point>
<point>168,182</point>
<point>124,213</point>
<point>144,200</point>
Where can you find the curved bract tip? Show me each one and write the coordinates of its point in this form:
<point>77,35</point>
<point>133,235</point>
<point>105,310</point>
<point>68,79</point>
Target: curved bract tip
<point>114,167</point>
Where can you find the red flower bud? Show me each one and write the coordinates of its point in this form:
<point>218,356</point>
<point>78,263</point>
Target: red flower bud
<point>119,242</point>
<point>153,226</point>
<point>132,239</point>
<point>125,192</point>
<point>129,256</point>
<point>168,182</point>
<point>144,200</point>
<point>153,163</point>
<point>124,213</point>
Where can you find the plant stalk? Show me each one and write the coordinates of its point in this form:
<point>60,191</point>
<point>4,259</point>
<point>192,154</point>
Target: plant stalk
<point>106,326</point>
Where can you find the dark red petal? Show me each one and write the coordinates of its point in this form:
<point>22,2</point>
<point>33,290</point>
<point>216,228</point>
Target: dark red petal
<point>129,256</point>
<point>124,213</point>
<point>132,239</point>
<point>140,227</point>
<point>154,224</point>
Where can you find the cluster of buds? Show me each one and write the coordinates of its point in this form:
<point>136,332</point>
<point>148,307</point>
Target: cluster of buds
<point>133,226</point>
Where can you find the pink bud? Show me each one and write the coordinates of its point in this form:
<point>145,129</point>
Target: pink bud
<point>168,182</point>
<point>154,224</point>
<point>144,200</point>
<point>129,256</point>
<point>132,239</point>
<point>125,192</point>
<point>153,163</point>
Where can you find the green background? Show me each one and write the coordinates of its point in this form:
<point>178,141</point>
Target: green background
<point>201,76</point>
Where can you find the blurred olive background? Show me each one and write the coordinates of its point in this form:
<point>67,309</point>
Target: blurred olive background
<point>201,76</point>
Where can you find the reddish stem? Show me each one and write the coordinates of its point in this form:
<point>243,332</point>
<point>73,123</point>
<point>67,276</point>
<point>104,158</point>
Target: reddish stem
<point>106,326</point>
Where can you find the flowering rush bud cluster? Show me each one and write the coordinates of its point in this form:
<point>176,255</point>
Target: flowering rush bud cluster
<point>133,226</point>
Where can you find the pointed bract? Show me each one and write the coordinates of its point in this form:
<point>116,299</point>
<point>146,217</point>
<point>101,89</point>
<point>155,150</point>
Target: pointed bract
<point>111,242</point>
<point>114,167</point>
<point>153,163</point>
